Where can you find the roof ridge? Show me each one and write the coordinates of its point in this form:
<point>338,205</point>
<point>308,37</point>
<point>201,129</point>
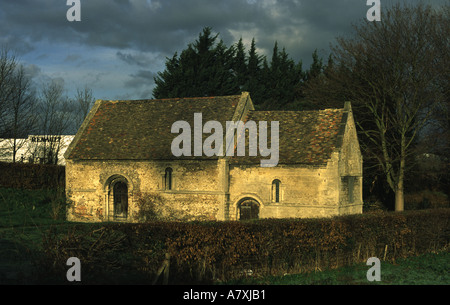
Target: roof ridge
<point>294,111</point>
<point>175,98</point>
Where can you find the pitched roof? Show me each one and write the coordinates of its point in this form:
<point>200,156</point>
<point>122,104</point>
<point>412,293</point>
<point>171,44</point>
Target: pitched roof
<point>305,137</point>
<point>141,129</point>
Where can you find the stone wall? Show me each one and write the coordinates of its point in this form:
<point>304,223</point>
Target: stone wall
<point>196,192</point>
<point>209,189</point>
<point>350,170</point>
<point>305,191</point>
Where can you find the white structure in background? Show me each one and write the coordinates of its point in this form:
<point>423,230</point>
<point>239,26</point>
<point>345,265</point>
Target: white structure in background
<point>36,149</point>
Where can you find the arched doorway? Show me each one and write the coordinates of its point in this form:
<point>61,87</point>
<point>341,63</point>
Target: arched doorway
<point>248,209</point>
<point>118,190</point>
<point>120,199</point>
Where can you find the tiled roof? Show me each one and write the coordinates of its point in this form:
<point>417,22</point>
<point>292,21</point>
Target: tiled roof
<point>306,137</point>
<point>141,129</point>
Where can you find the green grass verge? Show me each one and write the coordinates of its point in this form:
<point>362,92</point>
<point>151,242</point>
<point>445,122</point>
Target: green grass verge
<point>21,208</point>
<point>427,269</point>
<point>24,217</point>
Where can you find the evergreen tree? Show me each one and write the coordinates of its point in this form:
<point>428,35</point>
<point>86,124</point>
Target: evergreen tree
<point>316,74</point>
<point>166,81</point>
<point>205,68</point>
<point>316,67</point>
<point>279,79</point>
<point>209,68</point>
<point>254,78</point>
<point>240,65</point>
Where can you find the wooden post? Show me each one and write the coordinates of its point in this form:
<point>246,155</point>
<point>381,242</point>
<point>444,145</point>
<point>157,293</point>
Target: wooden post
<point>359,252</point>
<point>164,268</point>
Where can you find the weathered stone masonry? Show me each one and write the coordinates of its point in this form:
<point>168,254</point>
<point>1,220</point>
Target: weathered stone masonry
<point>121,156</point>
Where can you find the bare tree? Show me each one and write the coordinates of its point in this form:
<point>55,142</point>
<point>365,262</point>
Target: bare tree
<point>55,117</point>
<point>21,118</point>
<point>8,65</point>
<point>395,73</point>
<point>17,104</point>
<point>84,100</point>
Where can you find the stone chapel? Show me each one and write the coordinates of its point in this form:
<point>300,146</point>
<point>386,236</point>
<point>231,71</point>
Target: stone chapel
<point>121,160</point>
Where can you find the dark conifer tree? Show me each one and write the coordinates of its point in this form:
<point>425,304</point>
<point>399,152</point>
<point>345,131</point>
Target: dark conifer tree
<point>254,83</point>
<point>205,68</point>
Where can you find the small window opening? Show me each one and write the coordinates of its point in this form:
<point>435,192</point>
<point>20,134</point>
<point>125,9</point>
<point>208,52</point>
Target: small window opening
<point>276,190</point>
<point>168,178</point>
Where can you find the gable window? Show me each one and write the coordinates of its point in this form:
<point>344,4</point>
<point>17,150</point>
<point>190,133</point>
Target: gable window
<point>168,178</point>
<point>276,190</point>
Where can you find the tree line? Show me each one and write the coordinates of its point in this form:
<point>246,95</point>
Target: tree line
<point>208,67</point>
<point>395,73</point>
<point>25,109</point>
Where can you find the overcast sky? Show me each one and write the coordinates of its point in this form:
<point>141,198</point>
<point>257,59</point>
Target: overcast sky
<point>119,45</point>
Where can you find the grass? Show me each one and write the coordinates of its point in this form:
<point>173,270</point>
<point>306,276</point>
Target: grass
<point>427,269</point>
<point>22,208</point>
<point>25,213</point>
<point>24,217</point>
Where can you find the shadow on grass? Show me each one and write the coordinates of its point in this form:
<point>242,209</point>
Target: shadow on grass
<point>427,269</point>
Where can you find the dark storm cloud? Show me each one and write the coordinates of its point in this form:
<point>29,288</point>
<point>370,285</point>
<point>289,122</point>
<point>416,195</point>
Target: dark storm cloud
<point>138,58</point>
<point>129,59</point>
<point>141,78</point>
<point>168,25</point>
<point>72,57</point>
<point>156,26</point>
<point>121,41</point>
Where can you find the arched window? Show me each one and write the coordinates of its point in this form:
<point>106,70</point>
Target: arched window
<point>168,178</point>
<point>276,190</point>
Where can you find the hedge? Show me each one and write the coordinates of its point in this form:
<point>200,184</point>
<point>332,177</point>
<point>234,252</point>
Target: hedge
<point>32,176</point>
<point>220,251</point>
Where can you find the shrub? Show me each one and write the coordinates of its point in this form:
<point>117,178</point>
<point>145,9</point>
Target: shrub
<point>211,251</point>
<point>425,200</point>
<point>32,176</point>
